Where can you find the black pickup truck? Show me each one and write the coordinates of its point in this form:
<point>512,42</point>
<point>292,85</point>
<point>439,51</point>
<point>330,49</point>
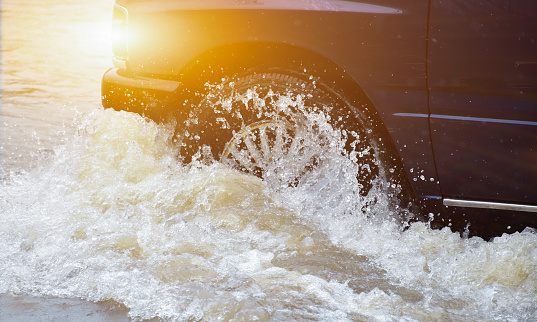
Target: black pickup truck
<point>434,97</point>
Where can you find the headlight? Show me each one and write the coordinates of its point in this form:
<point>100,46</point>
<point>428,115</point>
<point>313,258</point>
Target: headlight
<point>120,35</point>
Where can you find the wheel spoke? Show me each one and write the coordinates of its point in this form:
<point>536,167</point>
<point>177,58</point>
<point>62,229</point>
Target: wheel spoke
<point>265,147</point>
<point>252,147</point>
<point>295,147</point>
<point>278,142</point>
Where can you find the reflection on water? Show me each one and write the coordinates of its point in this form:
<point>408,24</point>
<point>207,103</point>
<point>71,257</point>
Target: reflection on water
<point>111,217</point>
<point>53,55</point>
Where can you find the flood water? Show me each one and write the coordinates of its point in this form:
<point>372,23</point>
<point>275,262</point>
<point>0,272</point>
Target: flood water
<point>99,222</point>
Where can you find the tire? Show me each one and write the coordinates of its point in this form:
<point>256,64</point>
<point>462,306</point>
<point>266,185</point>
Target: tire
<point>261,124</point>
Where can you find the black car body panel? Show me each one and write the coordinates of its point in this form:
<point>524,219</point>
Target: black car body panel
<point>454,83</point>
<point>483,91</point>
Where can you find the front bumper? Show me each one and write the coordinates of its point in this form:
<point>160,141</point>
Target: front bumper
<point>146,96</point>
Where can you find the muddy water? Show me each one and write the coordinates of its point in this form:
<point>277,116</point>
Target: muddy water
<point>99,222</point>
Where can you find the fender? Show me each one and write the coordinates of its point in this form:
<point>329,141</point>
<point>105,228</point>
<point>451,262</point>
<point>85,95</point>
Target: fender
<point>167,37</point>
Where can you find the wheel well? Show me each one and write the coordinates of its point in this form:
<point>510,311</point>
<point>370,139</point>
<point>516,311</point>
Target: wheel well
<point>236,59</point>
<point>239,58</point>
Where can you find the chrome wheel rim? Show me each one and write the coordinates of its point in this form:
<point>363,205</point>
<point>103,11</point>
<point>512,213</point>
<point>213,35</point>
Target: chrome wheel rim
<point>276,151</point>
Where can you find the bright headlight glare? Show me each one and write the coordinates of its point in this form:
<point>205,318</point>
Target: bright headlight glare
<point>120,33</point>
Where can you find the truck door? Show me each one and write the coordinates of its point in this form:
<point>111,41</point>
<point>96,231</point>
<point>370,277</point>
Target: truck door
<point>482,73</point>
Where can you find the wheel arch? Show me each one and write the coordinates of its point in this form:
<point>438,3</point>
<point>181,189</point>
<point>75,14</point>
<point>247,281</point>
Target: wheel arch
<point>236,58</point>
<point>217,64</point>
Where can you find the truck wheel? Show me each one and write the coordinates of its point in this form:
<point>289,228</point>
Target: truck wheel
<point>279,126</point>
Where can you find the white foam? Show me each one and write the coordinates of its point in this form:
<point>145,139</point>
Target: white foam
<point>114,216</point>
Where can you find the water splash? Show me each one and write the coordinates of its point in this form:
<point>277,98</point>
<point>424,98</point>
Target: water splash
<point>114,216</point>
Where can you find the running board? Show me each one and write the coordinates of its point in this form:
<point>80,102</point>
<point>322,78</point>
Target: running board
<point>488,205</point>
